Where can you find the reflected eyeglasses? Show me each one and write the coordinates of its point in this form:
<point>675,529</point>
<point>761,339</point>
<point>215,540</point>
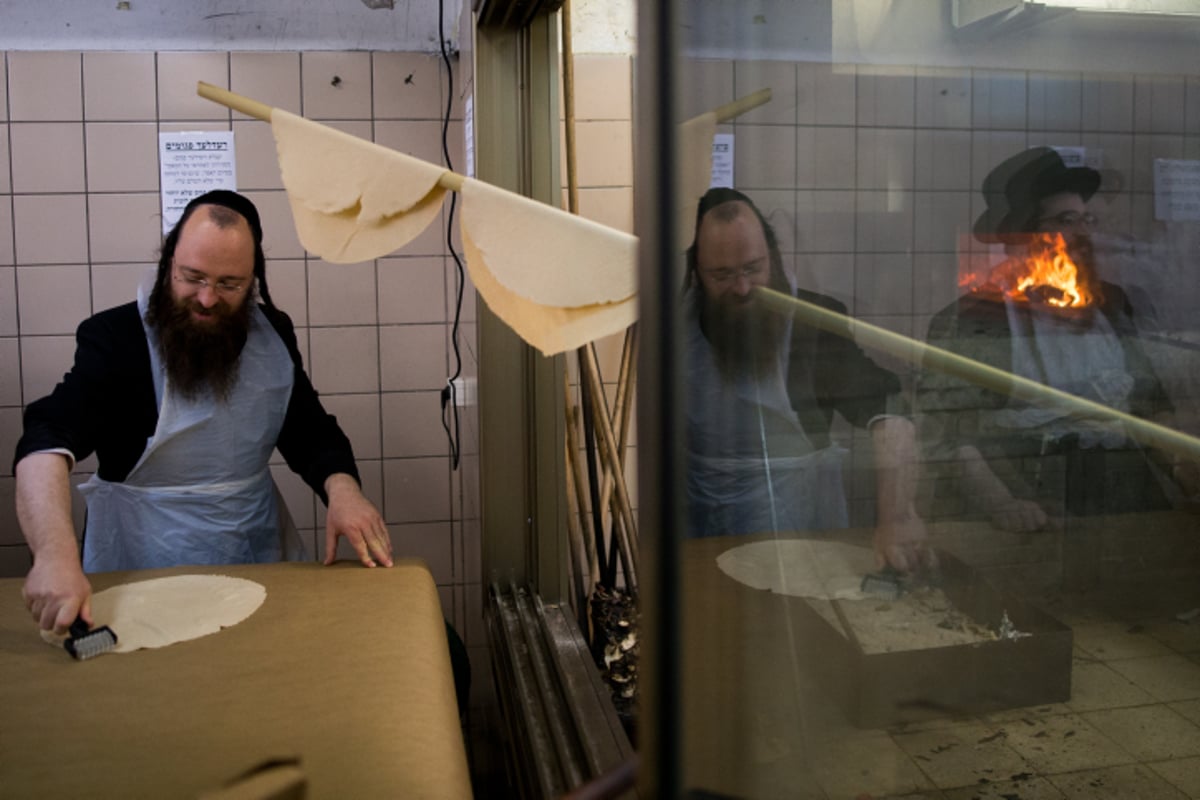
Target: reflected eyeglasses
<point>727,275</point>
<point>1069,219</point>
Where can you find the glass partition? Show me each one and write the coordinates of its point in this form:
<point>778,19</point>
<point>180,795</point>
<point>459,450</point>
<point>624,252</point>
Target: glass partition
<point>936,365</point>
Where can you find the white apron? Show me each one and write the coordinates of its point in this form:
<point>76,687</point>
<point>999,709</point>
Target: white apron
<point>751,467</point>
<point>1086,362</point>
<point>202,492</point>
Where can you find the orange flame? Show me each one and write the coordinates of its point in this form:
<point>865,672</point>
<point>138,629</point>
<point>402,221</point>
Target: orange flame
<point>1048,272</point>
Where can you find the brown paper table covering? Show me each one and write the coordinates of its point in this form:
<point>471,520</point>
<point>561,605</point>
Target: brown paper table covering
<point>343,667</point>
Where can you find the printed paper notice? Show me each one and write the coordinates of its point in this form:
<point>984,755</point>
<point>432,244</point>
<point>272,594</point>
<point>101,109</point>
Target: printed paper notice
<point>191,164</point>
<point>1176,190</point>
<point>722,160</point>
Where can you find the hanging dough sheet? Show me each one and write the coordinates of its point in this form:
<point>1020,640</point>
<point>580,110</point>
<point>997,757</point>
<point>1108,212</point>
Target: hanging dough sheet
<point>352,200</point>
<point>558,280</point>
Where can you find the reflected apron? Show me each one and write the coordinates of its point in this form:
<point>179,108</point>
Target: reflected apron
<point>751,467</point>
<point>202,492</point>
<point>1070,463</point>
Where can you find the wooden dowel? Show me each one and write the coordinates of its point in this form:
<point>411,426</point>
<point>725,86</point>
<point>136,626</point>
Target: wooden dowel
<point>580,560</point>
<point>620,414</point>
<point>742,105</point>
<point>568,70</point>
<point>609,447</point>
<point>576,481</point>
<point>934,358</point>
<point>252,108</point>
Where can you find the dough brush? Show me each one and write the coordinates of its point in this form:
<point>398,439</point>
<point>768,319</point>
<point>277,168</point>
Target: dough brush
<point>886,584</point>
<point>84,642</point>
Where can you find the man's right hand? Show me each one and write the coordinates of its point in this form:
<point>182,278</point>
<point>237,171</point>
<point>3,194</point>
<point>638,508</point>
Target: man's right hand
<point>56,591</point>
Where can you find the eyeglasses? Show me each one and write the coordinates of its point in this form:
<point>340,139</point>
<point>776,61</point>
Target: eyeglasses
<point>222,287</point>
<point>1069,219</point>
<point>727,275</point>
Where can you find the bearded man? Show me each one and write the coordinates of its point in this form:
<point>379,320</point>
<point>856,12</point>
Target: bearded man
<point>1022,464</point>
<point>762,390</point>
<point>182,395</point>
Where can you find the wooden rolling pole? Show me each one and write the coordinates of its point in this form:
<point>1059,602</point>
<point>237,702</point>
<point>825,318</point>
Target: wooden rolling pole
<point>575,480</point>
<point>934,358</point>
<point>582,573</point>
<point>252,108</point>
<point>608,449</point>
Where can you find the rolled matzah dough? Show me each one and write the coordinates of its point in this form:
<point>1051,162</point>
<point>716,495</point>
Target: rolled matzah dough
<point>550,329</point>
<point>801,568</point>
<point>352,200</point>
<point>546,255</point>
<point>163,611</point>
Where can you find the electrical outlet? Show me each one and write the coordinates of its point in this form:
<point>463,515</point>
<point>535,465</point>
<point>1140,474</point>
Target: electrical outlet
<point>465,392</point>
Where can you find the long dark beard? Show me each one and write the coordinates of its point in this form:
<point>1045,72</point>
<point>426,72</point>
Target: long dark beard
<point>199,357</point>
<point>746,336</point>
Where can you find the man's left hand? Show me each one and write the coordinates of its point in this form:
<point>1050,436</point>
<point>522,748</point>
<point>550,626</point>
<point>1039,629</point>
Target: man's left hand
<point>352,515</point>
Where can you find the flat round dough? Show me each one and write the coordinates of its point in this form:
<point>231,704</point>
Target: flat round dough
<point>352,200</point>
<point>548,328</point>
<point>546,255</point>
<point>801,567</point>
<point>163,611</point>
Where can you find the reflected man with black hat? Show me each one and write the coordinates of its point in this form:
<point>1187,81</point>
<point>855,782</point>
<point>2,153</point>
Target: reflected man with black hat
<point>1025,464</point>
<point>183,395</point>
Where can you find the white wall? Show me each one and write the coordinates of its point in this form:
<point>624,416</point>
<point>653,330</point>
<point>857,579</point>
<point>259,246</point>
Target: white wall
<point>920,32</point>
<point>409,26</point>
<point>604,27</point>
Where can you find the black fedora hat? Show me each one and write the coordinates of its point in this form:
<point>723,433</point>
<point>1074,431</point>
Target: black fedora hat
<point>1015,187</point>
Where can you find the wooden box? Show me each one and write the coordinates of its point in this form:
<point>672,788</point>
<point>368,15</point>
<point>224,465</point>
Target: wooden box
<point>748,649</point>
<point>880,689</point>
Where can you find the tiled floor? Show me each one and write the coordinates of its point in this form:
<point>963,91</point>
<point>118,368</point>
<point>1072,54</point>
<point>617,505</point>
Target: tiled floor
<point>1131,728</point>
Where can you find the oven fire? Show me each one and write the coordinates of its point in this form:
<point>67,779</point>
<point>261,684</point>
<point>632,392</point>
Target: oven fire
<point>1047,275</point>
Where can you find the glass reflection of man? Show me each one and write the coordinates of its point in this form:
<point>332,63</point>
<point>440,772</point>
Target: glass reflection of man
<point>762,391</point>
<point>1023,463</point>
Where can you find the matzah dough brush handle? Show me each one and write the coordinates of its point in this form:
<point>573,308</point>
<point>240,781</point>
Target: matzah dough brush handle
<point>84,642</point>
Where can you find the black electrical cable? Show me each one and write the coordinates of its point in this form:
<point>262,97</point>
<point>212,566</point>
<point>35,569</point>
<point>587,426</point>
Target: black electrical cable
<point>450,391</point>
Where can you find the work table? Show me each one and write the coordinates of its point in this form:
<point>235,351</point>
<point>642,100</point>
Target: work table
<point>343,668</point>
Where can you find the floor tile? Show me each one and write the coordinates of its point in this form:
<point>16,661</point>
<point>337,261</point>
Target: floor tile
<point>1173,677</point>
<point>1183,773</point>
<point>1188,708</point>
<point>963,756</point>
<point>875,766</point>
<point>941,723</point>
<point>1095,685</point>
<point>1128,782</point>
<point>1022,714</point>
<point>1150,733</point>
<point>1027,788</point>
<point>1063,744</point>
<point>1109,640</point>
<point>1181,637</point>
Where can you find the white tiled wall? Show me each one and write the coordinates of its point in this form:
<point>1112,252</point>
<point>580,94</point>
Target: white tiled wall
<point>871,175</point>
